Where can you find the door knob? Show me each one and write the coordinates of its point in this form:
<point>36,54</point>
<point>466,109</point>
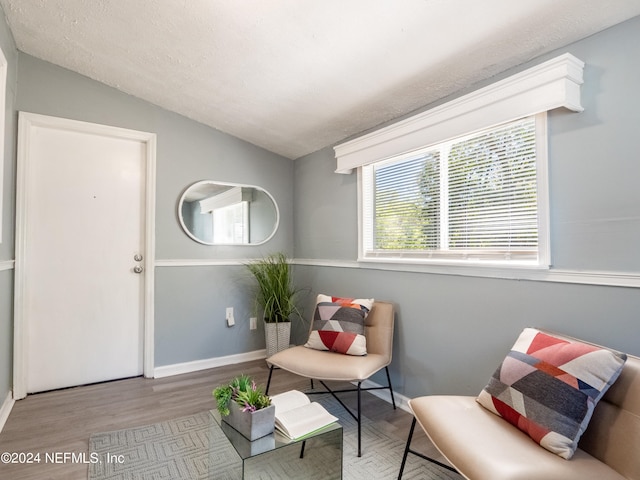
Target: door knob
<point>137,257</point>
<point>137,269</point>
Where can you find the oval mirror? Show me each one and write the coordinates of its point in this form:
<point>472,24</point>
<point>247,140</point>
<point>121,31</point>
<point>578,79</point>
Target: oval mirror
<point>217,213</point>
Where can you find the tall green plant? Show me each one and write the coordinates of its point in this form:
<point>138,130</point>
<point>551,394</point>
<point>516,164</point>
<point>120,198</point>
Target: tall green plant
<point>276,293</point>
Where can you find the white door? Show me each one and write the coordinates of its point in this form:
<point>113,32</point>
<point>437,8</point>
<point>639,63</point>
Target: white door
<point>82,254</point>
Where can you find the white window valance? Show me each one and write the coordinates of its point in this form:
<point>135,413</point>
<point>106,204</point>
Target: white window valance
<point>552,84</point>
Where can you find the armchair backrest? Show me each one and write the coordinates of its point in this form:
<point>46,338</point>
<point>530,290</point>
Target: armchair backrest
<point>613,434</point>
<point>379,329</point>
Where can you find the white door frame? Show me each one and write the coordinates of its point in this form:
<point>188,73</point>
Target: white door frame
<point>26,122</point>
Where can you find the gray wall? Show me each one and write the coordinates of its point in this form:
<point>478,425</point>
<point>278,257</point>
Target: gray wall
<point>452,331</point>
<point>190,300</point>
<point>7,214</point>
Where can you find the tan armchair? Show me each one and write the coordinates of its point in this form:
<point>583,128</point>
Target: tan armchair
<point>483,446</point>
<point>329,366</point>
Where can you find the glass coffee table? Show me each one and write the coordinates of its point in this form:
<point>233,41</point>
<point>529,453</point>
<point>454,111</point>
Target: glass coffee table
<point>316,456</point>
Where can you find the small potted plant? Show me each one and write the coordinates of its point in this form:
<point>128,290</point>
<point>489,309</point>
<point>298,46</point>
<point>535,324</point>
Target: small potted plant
<point>244,406</point>
<point>276,295</point>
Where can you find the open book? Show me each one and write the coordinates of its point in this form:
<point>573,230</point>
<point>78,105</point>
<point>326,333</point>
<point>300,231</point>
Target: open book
<point>297,416</point>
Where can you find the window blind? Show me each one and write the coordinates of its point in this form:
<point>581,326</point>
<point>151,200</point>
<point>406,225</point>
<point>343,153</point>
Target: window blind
<point>407,204</point>
<point>474,197</point>
<point>492,191</point>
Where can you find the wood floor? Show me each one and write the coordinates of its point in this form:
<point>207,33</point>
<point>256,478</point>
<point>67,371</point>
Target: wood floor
<point>63,420</point>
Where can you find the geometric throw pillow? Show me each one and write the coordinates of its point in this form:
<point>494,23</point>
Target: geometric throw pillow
<point>338,325</point>
<point>548,387</point>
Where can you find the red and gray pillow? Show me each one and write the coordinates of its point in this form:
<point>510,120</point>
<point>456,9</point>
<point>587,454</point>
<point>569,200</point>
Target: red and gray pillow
<point>548,387</point>
<point>338,325</point>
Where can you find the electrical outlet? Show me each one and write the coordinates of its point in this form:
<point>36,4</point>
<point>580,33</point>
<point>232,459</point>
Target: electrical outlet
<point>253,323</point>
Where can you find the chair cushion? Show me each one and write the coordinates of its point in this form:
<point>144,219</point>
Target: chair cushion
<point>548,387</point>
<point>482,446</point>
<point>338,325</point>
<point>325,365</point>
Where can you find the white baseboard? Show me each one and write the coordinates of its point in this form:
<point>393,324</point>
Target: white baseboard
<point>188,367</point>
<point>5,409</point>
<point>402,402</point>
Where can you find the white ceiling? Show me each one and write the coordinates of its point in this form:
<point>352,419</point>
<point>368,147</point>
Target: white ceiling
<point>294,76</point>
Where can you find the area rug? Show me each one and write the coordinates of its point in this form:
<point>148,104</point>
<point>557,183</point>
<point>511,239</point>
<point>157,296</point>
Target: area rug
<point>188,448</point>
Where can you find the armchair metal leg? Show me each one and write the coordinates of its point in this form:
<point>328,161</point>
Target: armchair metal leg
<point>393,400</point>
<point>359,421</point>
<point>407,451</point>
<point>357,416</point>
<point>407,448</point>
<point>266,390</point>
<point>304,444</point>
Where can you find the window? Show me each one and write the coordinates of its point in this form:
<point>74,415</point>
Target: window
<point>479,198</point>
<point>464,182</point>
<point>231,224</point>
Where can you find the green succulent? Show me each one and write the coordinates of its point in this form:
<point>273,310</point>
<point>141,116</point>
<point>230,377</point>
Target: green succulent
<point>244,392</point>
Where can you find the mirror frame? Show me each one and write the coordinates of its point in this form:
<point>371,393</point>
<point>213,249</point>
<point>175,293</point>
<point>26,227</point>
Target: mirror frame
<point>229,184</point>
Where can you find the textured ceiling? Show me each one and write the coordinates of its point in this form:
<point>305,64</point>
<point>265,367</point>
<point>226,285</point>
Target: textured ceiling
<point>294,76</point>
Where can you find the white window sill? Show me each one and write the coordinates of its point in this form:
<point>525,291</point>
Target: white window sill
<point>452,264</point>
